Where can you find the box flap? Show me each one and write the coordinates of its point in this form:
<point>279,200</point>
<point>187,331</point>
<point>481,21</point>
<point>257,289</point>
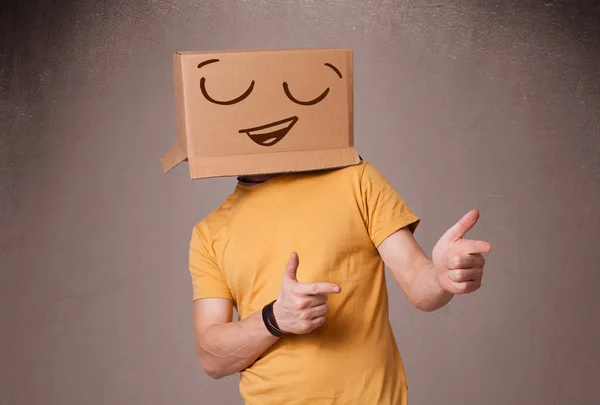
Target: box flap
<point>172,158</point>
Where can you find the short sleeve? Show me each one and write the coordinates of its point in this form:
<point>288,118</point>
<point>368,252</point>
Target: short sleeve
<point>207,277</point>
<point>386,212</point>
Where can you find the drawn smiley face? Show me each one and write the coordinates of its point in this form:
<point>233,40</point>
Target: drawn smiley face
<point>272,133</point>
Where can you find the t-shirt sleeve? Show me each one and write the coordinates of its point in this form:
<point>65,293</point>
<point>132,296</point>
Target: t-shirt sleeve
<point>385,211</point>
<point>207,278</point>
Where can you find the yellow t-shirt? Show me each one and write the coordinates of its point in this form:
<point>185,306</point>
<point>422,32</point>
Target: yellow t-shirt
<point>335,220</point>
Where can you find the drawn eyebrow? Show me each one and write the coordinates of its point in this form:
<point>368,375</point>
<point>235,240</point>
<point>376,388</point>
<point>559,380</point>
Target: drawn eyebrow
<point>329,65</point>
<point>207,62</point>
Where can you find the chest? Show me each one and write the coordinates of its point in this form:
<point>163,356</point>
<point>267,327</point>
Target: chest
<point>325,227</point>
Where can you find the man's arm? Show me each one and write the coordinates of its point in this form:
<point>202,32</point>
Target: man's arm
<point>225,347</point>
<point>456,266</point>
<point>413,270</point>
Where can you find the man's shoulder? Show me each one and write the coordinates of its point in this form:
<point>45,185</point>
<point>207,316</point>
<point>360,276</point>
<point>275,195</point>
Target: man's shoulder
<point>357,175</point>
<point>364,168</point>
<point>216,219</point>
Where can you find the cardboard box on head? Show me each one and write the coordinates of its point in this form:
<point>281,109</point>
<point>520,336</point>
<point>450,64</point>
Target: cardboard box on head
<point>263,111</point>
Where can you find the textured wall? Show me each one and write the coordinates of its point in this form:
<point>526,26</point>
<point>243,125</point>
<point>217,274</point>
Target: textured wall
<point>462,104</point>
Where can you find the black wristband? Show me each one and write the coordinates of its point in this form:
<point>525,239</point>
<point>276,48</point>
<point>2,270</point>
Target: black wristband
<point>270,322</point>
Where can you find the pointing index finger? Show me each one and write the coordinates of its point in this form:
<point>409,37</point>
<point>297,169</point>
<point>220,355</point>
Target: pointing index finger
<point>317,288</point>
<point>474,246</point>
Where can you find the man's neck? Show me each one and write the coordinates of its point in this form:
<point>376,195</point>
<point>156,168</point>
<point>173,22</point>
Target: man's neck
<point>256,179</point>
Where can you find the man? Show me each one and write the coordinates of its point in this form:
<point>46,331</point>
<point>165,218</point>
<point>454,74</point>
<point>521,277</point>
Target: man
<point>301,257</point>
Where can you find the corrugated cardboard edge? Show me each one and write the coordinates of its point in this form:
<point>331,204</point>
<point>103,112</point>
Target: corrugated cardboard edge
<point>261,50</point>
<point>172,158</point>
<point>177,153</point>
<point>350,81</point>
<point>263,163</point>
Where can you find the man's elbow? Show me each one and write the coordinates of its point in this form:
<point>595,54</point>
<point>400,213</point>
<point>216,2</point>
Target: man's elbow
<point>213,370</point>
<point>215,374</point>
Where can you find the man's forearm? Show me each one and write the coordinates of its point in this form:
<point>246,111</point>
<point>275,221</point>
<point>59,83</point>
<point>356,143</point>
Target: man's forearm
<point>229,348</point>
<point>425,292</point>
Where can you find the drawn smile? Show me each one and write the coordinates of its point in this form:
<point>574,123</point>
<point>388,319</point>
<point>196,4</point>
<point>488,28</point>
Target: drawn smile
<point>270,134</point>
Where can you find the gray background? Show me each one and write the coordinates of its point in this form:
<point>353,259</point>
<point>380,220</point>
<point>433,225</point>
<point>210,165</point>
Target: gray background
<point>461,104</point>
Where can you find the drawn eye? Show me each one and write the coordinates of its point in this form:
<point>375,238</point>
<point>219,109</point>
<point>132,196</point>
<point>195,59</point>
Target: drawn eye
<point>221,102</point>
<point>314,101</point>
<point>224,102</point>
<point>288,93</point>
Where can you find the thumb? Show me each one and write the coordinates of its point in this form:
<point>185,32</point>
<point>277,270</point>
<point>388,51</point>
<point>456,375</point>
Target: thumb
<point>466,223</point>
<point>291,268</point>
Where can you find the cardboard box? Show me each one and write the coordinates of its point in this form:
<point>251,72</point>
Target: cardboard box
<point>263,111</point>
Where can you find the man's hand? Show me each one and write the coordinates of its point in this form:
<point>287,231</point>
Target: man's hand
<point>301,308</point>
<point>459,262</point>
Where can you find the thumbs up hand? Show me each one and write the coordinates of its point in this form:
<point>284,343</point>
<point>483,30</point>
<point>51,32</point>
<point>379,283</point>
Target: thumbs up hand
<point>301,308</point>
<point>459,262</point>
